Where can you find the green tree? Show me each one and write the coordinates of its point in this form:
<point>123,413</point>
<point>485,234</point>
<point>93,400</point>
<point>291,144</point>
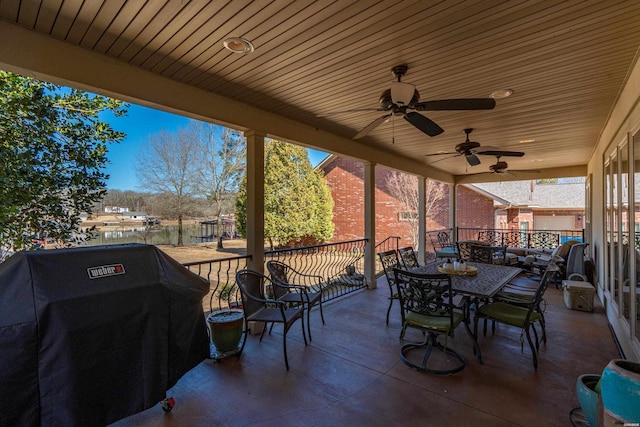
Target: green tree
<point>53,147</point>
<point>298,208</point>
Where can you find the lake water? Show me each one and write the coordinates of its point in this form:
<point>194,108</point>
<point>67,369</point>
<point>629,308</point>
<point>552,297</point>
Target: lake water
<point>165,235</point>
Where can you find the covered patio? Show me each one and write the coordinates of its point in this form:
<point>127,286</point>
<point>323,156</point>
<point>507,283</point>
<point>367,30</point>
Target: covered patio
<point>573,71</point>
<point>351,374</point>
<point>313,73</point>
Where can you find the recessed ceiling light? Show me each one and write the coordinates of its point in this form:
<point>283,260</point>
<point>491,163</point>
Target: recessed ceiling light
<point>526,141</point>
<point>501,94</point>
<point>238,45</point>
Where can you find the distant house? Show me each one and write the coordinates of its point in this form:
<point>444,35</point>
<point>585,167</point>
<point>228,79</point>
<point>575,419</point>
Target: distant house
<point>115,209</point>
<point>134,216</point>
<point>528,205</point>
<point>345,177</point>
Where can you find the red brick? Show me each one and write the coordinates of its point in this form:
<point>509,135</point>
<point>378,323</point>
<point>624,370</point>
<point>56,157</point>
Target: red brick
<point>345,178</point>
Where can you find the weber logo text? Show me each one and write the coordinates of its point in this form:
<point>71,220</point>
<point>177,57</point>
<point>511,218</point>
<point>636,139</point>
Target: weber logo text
<point>105,271</point>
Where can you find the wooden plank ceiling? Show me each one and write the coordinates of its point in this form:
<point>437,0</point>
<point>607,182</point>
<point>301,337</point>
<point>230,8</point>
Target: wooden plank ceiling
<point>565,61</point>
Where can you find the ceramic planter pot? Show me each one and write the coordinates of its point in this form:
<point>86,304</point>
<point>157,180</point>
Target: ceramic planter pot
<point>225,329</point>
<point>587,390</point>
<point>621,390</point>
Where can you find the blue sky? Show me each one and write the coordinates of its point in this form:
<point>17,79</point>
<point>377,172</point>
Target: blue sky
<point>140,123</point>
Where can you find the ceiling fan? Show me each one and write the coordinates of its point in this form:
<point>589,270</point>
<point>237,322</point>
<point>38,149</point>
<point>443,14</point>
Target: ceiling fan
<point>501,167</point>
<point>470,150</point>
<point>402,98</point>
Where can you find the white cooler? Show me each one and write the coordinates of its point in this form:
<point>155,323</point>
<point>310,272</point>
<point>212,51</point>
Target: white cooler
<point>578,295</point>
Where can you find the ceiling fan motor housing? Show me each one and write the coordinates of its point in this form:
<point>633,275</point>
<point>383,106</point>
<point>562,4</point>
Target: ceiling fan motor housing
<point>499,167</point>
<point>466,147</point>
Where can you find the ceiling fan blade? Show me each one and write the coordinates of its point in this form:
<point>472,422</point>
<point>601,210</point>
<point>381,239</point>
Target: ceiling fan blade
<point>500,153</point>
<point>353,110</point>
<point>457,104</point>
<point>524,170</point>
<point>472,159</point>
<point>441,153</point>
<point>371,126</point>
<point>424,124</point>
<point>445,158</point>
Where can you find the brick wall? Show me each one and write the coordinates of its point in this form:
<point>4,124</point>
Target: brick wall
<point>345,178</point>
<point>474,210</point>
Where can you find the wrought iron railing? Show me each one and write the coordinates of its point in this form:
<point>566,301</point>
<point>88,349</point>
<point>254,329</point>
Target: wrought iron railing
<point>504,237</point>
<point>520,239</point>
<point>625,239</point>
<point>341,264</point>
<point>221,274</point>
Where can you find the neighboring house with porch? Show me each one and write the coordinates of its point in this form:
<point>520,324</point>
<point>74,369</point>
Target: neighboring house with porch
<point>514,205</point>
<point>345,178</point>
<point>531,205</point>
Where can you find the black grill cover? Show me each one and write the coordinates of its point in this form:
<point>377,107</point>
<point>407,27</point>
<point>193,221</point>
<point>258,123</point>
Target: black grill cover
<point>91,335</point>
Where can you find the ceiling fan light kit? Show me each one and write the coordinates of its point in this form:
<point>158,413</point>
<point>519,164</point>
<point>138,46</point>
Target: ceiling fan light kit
<point>402,93</point>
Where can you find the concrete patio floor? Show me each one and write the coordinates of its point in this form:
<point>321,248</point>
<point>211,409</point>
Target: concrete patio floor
<point>351,375</point>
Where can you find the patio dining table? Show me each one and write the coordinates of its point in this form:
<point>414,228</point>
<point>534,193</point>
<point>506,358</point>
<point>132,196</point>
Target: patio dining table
<point>489,280</point>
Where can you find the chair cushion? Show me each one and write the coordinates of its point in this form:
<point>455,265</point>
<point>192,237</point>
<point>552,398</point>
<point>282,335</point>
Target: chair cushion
<point>437,323</point>
<point>524,295</point>
<point>442,253</point>
<point>508,313</point>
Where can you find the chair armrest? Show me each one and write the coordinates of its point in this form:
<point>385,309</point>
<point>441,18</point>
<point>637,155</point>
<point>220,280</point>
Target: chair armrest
<point>265,300</point>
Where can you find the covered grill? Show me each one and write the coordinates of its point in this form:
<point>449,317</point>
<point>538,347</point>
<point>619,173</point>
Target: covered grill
<point>91,335</point>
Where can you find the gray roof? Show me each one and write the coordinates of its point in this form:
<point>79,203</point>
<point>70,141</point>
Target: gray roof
<point>529,193</point>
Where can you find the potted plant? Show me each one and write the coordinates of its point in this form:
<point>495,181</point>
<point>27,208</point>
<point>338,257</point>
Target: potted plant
<point>226,324</point>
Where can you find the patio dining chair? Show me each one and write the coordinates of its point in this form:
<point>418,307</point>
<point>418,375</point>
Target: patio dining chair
<point>258,308</point>
<point>488,254</point>
<point>408,257</point>
<point>464,248</point>
<point>522,313</point>
<point>427,300</point>
<point>389,260</point>
<point>447,248</point>
<point>293,284</point>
